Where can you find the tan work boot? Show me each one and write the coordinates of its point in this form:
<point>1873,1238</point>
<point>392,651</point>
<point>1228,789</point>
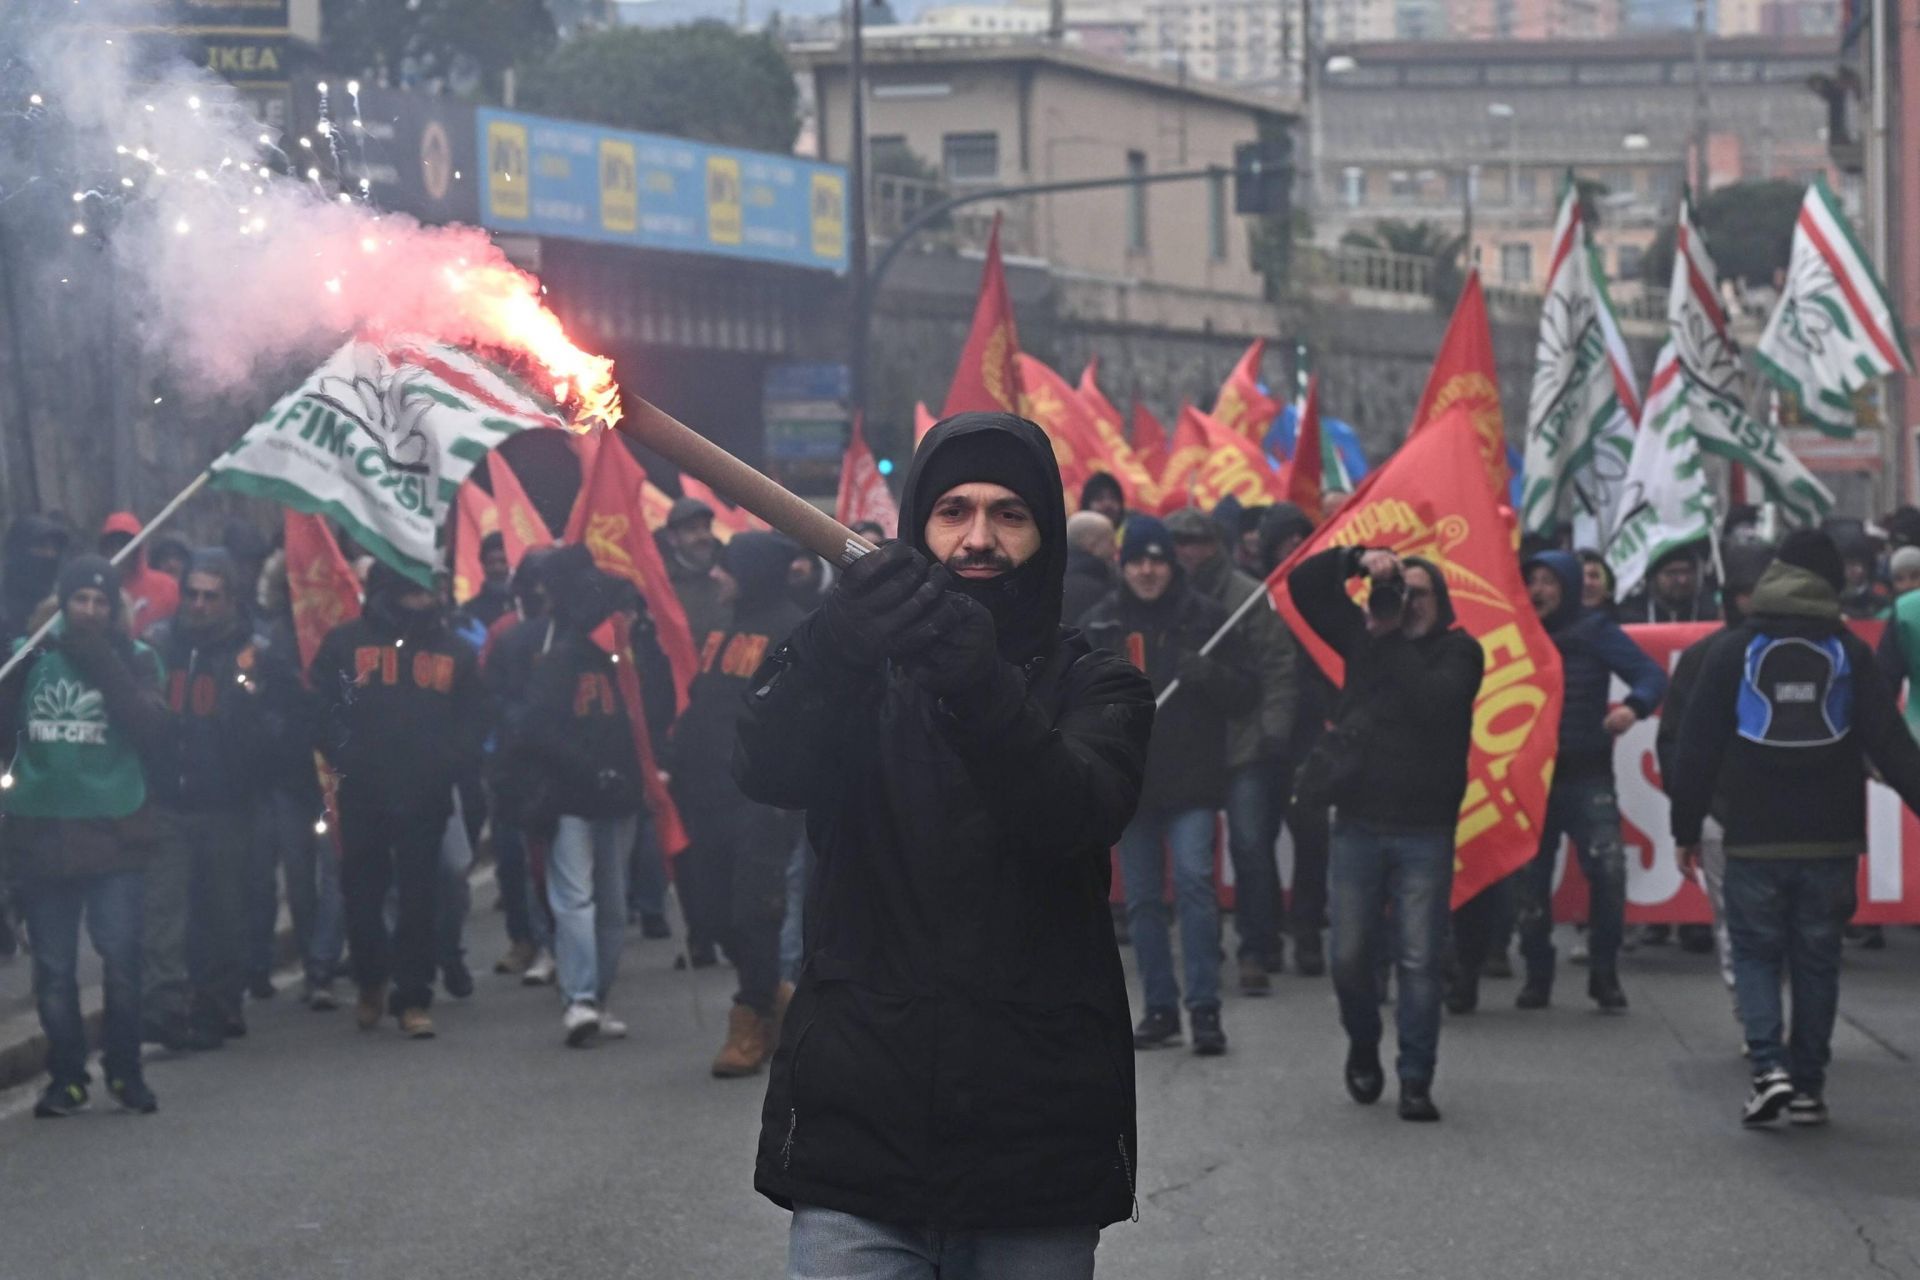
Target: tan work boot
<point>518,960</point>
<point>372,1006</point>
<point>782,997</point>
<point>747,1048</point>
<point>416,1024</point>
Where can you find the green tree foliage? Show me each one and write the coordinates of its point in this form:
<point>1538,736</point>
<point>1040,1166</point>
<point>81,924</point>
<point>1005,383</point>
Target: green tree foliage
<point>404,43</point>
<point>1749,229</point>
<point>703,81</point>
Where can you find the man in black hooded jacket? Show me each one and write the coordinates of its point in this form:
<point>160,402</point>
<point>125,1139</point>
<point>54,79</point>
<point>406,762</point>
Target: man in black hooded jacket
<point>1394,765</point>
<point>402,718</point>
<point>953,1092</point>
<point>734,875</point>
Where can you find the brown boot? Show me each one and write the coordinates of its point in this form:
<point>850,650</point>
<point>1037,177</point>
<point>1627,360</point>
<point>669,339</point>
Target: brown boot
<point>371,1007</point>
<point>748,1046</point>
<point>782,997</point>
<point>518,960</point>
<point>416,1024</point>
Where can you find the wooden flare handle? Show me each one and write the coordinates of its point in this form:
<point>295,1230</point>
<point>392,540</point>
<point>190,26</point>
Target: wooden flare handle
<point>740,484</point>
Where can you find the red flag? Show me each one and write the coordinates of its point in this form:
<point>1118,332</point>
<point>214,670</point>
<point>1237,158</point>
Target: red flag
<point>863,490</point>
<point>987,380</point>
<point>1464,374</point>
<point>320,583</point>
<point>521,528</point>
<point>1096,398</point>
<point>1242,407</point>
<point>1303,474</point>
<point>1149,440</point>
<point>1058,410</point>
<point>1431,499</point>
<point>608,520</point>
<point>475,516</point>
<point>1208,462</point>
<point>626,674</point>
<point>1138,482</point>
<point>923,421</point>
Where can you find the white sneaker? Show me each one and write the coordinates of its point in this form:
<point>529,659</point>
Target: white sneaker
<point>582,1023</point>
<point>611,1027</point>
<point>540,972</point>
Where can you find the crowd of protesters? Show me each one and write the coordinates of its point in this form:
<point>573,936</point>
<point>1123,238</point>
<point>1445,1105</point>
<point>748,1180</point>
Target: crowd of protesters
<point>162,789</point>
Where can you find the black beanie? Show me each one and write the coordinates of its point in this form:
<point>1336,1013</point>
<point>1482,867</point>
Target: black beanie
<point>86,571</point>
<point>1145,536</point>
<point>989,457</point>
<point>1814,551</point>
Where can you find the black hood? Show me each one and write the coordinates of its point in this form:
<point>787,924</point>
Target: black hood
<point>1442,597</point>
<point>581,593</point>
<point>1025,603</point>
<point>758,563</point>
<point>1566,567</point>
<point>29,580</point>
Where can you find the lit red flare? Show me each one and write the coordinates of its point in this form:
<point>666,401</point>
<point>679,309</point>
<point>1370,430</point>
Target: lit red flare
<point>502,306</point>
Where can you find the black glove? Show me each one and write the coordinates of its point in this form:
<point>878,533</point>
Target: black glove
<point>963,651</point>
<point>878,600</point>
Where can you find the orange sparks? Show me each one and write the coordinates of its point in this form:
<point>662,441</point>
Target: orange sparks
<point>503,306</point>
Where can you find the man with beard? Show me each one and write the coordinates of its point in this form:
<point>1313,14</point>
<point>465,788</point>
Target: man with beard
<point>953,1092</point>
<point>204,797</point>
<point>403,716</point>
<point>733,877</point>
<point>691,551</point>
<point>495,597</point>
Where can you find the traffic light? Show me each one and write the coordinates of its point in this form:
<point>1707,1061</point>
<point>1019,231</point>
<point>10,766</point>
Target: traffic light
<point>1263,177</point>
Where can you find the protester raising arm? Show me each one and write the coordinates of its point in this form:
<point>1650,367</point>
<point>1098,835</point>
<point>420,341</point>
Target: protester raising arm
<point>1318,585</point>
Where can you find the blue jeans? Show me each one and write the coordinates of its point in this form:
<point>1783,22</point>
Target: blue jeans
<point>1188,833</point>
<point>1587,810</point>
<point>313,882</point>
<point>825,1244</point>
<point>111,905</point>
<point>1254,800</point>
<point>1407,875</point>
<point>1788,913</point>
<point>587,888</point>
<point>793,939</point>
<point>647,890</point>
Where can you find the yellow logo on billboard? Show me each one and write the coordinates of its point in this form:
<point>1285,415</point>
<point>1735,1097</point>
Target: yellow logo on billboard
<point>829,208</point>
<point>508,194</point>
<point>619,186</point>
<point>723,200</point>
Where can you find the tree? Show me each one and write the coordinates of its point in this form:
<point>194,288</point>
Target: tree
<point>1749,230</point>
<point>405,43</point>
<point>1441,247</point>
<point>703,81</point>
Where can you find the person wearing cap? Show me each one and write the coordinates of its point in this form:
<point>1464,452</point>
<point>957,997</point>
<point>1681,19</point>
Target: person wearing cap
<point>204,802</point>
<point>1743,563</point>
<point>1258,731</point>
<point>1672,591</point>
<point>953,1090</point>
<point>733,876</point>
<point>1393,764</point>
<point>151,595</point>
<point>692,553</point>
<point>85,716</point>
<point>1788,710</point>
<point>403,717</point>
<point>1159,622</point>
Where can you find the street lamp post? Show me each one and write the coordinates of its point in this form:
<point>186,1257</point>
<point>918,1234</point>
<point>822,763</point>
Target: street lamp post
<point>856,204</point>
<point>1505,111</point>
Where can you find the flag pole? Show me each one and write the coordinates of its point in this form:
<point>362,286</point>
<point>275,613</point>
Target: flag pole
<point>165,514</point>
<point>1233,620</point>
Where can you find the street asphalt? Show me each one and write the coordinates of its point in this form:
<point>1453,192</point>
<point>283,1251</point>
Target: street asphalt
<point>1574,1145</point>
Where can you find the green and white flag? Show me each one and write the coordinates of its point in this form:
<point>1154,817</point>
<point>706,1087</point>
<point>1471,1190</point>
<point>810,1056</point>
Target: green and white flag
<point>380,438</point>
<point>1666,501</point>
<point>1580,417</point>
<point>1709,363</point>
<point>1834,332</point>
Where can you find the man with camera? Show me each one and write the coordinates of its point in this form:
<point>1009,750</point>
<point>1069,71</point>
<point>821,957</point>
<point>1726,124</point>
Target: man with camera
<point>1394,767</point>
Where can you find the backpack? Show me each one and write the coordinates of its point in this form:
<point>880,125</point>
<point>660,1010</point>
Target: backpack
<point>1795,692</point>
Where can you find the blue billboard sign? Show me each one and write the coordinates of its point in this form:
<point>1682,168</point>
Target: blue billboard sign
<point>588,182</point>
